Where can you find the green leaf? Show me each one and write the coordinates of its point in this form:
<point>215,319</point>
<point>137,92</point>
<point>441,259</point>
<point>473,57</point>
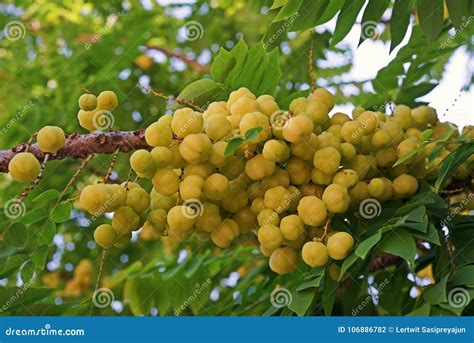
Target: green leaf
<point>194,266</point>
<point>387,77</point>
<point>62,213</point>
<point>289,9</point>
<point>16,235</point>
<point>253,70</point>
<point>253,133</point>
<point>233,145</point>
<point>39,256</point>
<point>314,283</point>
<point>434,153</point>
<point>400,243</point>
<point>372,15</point>
<point>133,295</point>
<point>203,92</point>
<point>430,14</point>
<point>35,215</point>
<point>126,273</point>
<point>408,95</point>
<point>272,74</point>
<point>47,232</point>
<point>462,276</point>
<point>278,4</point>
<point>452,162</point>
<point>301,301</point>
<point>308,14</point>
<point>239,51</point>
<point>417,215</point>
<point>12,264</point>
<point>27,272</point>
<point>348,262</point>
<point>436,294</point>
<point>346,19</point>
<point>423,310</point>
<point>426,134</point>
<point>329,295</point>
<point>399,22</point>
<point>409,155</point>
<point>333,7</point>
<point>365,246</point>
<point>431,235</point>
<point>25,296</point>
<point>445,136</point>
<point>458,10</point>
<point>46,196</point>
<point>222,65</point>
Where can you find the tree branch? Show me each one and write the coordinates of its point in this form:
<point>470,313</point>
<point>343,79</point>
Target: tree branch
<point>193,64</point>
<point>80,146</point>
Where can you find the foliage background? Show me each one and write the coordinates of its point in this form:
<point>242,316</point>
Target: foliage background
<point>69,46</point>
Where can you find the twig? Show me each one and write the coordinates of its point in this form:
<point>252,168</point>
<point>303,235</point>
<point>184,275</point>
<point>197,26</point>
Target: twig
<point>171,98</point>
<point>99,276</point>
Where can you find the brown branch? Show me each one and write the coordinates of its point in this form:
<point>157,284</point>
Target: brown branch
<point>195,65</point>
<point>81,146</point>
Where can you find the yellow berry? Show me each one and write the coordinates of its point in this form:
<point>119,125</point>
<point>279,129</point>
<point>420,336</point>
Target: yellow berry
<point>51,139</point>
<point>312,211</point>
<point>24,167</point>
<point>327,160</point>
<point>107,100</point>
<point>270,236</point>
<point>138,200</point>
<point>158,134</point>
<point>283,260</point>
<point>292,227</point>
<point>105,236</point>
<point>87,102</point>
<point>404,186</point>
<point>336,198</point>
<point>186,121</point>
<point>315,254</point>
<point>339,245</point>
<point>165,181</point>
<point>195,147</point>
<point>125,220</point>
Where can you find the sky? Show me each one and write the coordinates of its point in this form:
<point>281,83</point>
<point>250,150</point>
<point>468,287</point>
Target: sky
<point>451,104</point>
